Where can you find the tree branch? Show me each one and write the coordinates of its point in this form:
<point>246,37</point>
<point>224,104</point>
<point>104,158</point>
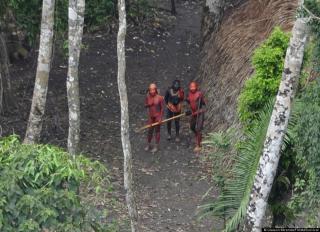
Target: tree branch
<point>312,16</point>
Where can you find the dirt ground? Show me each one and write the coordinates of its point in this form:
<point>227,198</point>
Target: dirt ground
<point>169,184</point>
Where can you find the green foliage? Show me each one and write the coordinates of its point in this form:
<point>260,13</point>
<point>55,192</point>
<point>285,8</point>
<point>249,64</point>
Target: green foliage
<point>139,10</point>
<point>309,60</point>
<point>268,61</point>
<point>40,186</point>
<point>99,12</point>
<point>299,166</point>
<point>306,132</point>
<point>27,14</point>
<point>222,153</point>
<point>307,128</point>
<point>60,20</point>
<point>235,193</point>
<point>3,8</point>
<point>287,170</point>
<point>314,7</point>
<point>306,189</point>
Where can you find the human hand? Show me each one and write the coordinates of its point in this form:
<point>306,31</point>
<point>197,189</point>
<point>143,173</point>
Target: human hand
<point>198,112</point>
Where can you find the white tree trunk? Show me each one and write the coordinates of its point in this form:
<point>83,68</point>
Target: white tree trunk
<point>268,163</point>
<point>5,85</point>
<point>75,21</point>
<point>125,136</point>
<point>41,83</point>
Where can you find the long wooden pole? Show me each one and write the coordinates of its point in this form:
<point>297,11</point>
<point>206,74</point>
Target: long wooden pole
<point>161,122</point>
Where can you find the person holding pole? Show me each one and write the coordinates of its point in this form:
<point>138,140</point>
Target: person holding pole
<point>174,97</point>
<point>155,105</point>
<point>196,101</point>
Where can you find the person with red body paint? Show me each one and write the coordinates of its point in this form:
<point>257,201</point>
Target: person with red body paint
<point>196,101</point>
<point>155,104</point>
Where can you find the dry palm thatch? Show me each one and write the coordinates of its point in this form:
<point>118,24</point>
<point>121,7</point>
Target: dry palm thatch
<point>226,54</point>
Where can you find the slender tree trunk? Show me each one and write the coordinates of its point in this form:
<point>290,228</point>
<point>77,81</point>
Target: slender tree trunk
<point>5,86</point>
<point>269,160</point>
<point>41,83</point>
<point>212,16</point>
<point>76,20</point>
<point>125,136</point>
<point>128,5</point>
<point>173,7</point>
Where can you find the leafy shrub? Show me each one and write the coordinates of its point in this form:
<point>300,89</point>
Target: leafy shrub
<point>314,7</point>
<point>306,191</point>
<point>240,158</point>
<point>221,153</point>
<point>307,140</point>
<point>27,14</point>
<point>139,10</point>
<point>40,186</point>
<point>236,186</point>
<point>299,165</point>
<point>268,61</point>
<point>98,12</point>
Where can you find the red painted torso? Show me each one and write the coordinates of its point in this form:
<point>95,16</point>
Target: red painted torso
<point>156,110</point>
<point>193,99</point>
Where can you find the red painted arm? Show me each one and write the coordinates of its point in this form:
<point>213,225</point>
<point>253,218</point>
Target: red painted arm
<point>181,94</point>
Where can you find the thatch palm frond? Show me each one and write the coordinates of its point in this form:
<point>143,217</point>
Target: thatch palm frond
<point>234,197</point>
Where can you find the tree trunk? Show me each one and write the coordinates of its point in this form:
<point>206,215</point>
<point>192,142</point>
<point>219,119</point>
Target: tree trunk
<point>268,163</point>
<point>41,83</point>
<point>173,7</point>
<point>76,20</point>
<point>212,16</point>
<point>125,136</point>
<point>5,86</point>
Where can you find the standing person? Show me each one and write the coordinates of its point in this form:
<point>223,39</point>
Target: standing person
<point>197,103</point>
<point>155,104</point>
<point>174,98</point>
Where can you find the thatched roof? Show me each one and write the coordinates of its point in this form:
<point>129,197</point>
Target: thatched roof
<point>226,54</point>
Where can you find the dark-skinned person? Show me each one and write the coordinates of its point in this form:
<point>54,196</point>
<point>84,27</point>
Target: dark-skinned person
<point>174,98</point>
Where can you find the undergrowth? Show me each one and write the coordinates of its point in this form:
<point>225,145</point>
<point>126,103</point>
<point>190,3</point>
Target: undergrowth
<point>43,189</point>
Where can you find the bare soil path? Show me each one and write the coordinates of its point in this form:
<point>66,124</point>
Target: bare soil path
<point>170,183</point>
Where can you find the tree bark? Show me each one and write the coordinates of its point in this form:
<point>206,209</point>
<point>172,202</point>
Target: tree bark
<point>212,16</point>
<point>173,7</point>
<point>5,86</point>
<point>125,136</point>
<point>76,20</point>
<point>41,83</point>
<point>277,128</point>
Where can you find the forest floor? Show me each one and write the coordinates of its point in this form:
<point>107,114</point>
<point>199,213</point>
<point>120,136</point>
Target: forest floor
<point>169,184</point>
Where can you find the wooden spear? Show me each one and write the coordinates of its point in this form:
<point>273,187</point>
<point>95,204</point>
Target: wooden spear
<point>159,123</point>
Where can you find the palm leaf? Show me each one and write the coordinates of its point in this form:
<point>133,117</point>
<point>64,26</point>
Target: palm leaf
<point>234,197</point>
